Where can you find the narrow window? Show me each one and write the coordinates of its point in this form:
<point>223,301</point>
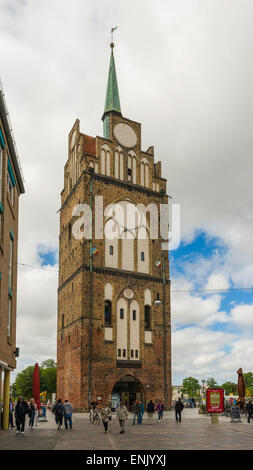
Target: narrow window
<point>119,352</point>
<point>142,256</point>
<point>147,317</point>
<point>136,353</point>
<point>108,313</point>
<point>124,353</point>
<point>134,314</point>
<point>132,353</point>
<point>9,318</point>
<point>10,264</point>
<point>111,250</point>
<point>121,313</point>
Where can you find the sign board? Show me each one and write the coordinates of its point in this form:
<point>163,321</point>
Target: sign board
<point>214,400</point>
<point>235,413</point>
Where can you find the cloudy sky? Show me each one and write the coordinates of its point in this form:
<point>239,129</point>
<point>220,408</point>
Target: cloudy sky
<point>185,72</point>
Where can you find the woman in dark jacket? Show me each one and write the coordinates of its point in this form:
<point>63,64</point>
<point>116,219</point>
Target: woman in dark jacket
<point>150,411</point>
<point>58,412</point>
<point>31,412</point>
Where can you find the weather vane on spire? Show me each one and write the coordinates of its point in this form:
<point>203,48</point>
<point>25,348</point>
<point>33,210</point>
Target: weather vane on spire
<point>112,31</point>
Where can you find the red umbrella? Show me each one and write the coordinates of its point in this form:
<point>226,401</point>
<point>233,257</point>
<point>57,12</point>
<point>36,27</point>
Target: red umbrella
<point>36,385</point>
<point>241,389</point>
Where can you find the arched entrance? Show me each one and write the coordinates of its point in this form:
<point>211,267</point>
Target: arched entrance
<point>128,389</point>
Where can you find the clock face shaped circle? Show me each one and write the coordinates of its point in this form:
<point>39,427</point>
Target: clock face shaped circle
<point>128,293</point>
<point>73,139</point>
<point>125,134</point>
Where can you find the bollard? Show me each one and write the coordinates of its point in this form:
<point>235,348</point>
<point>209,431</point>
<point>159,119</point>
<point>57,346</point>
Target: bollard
<point>214,418</point>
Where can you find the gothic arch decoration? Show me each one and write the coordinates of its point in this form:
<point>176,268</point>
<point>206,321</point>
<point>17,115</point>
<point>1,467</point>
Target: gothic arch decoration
<point>144,172</point>
<point>131,166</point>
<point>105,160</point>
<point>118,163</point>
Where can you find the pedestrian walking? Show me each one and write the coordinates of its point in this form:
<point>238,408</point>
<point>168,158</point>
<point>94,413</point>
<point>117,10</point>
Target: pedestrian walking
<point>179,406</point>
<point>21,410</point>
<point>136,408</point>
<point>122,416</point>
<point>150,411</point>
<point>67,412</point>
<point>58,412</point>
<point>249,409</point>
<point>106,416</point>
<point>11,409</point>
<point>31,412</point>
<point>141,412</point>
<point>160,410</point>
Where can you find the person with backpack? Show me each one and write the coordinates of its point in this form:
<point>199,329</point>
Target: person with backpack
<point>67,411</point>
<point>179,406</point>
<point>58,411</point>
<point>21,410</point>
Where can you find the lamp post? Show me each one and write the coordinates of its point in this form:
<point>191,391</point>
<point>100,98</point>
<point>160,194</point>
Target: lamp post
<point>203,382</point>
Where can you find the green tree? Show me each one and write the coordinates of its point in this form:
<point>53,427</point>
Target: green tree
<point>24,380</point>
<point>211,383</point>
<point>229,387</point>
<point>191,386</point>
<point>248,378</point>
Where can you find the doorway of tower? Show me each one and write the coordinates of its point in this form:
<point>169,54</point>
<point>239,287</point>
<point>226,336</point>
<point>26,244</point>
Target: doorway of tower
<point>128,389</point>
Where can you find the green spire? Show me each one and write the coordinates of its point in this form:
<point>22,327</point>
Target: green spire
<point>112,102</point>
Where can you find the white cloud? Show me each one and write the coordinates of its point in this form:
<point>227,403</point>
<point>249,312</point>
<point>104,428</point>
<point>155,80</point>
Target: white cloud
<point>243,314</point>
<point>185,73</point>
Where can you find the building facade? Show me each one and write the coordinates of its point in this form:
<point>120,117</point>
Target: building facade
<point>114,333</point>
<point>11,186</point>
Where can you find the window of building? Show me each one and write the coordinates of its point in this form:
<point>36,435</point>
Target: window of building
<point>142,256</point>
<point>108,313</point>
<point>119,352</point>
<point>132,353</point>
<point>147,317</point>
<point>124,352</point>
<point>121,313</point>
<point>111,250</point>
<point>69,338</point>
<point>69,232</point>
<point>1,170</point>
<point>10,188</point>
<point>9,318</point>
<point>134,314</point>
<point>10,264</point>
<point>136,353</point>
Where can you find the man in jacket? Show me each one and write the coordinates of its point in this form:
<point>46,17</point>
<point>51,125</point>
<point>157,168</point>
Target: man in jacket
<point>249,409</point>
<point>179,406</point>
<point>150,411</point>
<point>67,412</point>
<point>21,410</point>
<point>58,412</point>
<point>122,416</point>
<point>136,410</point>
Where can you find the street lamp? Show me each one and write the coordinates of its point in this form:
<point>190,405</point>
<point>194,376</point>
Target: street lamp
<point>203,382</point>
<point>157,301</point>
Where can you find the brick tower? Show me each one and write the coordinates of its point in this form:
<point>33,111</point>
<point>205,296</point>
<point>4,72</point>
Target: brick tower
<point>113,333</point>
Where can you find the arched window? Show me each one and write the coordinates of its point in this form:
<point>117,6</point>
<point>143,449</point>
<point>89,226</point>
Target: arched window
<point>147,317</point>
<point>144,173</point>
<point>108,313</point>
<point>116,164</point>
<point>103,161</point>
<point>108,163</point>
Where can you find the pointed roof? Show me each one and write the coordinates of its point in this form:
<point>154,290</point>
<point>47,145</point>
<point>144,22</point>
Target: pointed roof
<point>112,102</point>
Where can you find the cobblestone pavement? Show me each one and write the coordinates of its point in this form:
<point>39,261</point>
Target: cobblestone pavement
<point>196,432</point>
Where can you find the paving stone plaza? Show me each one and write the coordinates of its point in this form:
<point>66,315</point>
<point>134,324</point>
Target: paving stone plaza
<point>196,432</point>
